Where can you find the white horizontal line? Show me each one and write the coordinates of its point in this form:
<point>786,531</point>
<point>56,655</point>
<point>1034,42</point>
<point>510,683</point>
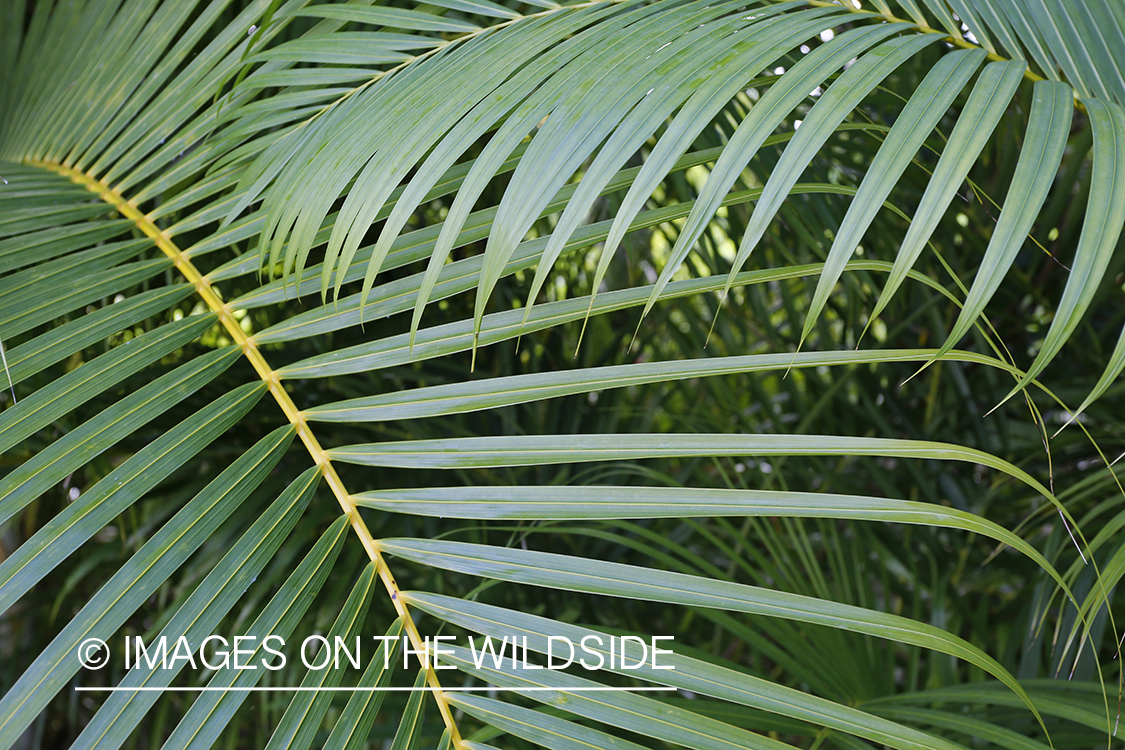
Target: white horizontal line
<point>426,689</point>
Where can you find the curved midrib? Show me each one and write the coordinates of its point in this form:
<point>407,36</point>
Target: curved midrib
<point>250,350</point>
<point>956,41</point>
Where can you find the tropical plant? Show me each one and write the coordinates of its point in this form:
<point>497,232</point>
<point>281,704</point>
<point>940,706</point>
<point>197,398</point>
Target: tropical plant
<point>498,318</point>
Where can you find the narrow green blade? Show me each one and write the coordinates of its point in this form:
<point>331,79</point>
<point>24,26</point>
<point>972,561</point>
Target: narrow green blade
<point>137,580</point>
<point>58,343</point>
<point>1101,229</point>
<point>1048,128</point>
<point>632,582</point>
<point>411,721</point>
<point>204,722</point>
<point>200,614</point>
<point>354,725</point>
<point>99,505</point>
<point>689,674</point>
<point>926,107</point>
<point>809,72</point>
<point>491,393</point>
<point>837,102</point>
<point>549,731</point>
<point>988,101</point>
<point>299,725</point>
<point>397,18</point>
<point>79,446</point>
<point>615,502</point>
<point>83,383</point>
<point>530,450</point>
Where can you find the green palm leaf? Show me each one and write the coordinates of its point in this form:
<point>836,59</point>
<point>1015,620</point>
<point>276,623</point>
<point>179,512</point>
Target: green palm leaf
<point>179,180</point>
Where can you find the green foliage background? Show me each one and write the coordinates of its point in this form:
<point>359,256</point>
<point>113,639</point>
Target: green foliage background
<point>171,170</point>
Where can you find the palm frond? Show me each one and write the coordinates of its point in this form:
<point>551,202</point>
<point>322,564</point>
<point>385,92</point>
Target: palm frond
<point>207,202</point>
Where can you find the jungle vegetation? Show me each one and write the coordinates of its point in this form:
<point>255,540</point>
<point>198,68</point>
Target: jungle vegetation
<point>789,330</point>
